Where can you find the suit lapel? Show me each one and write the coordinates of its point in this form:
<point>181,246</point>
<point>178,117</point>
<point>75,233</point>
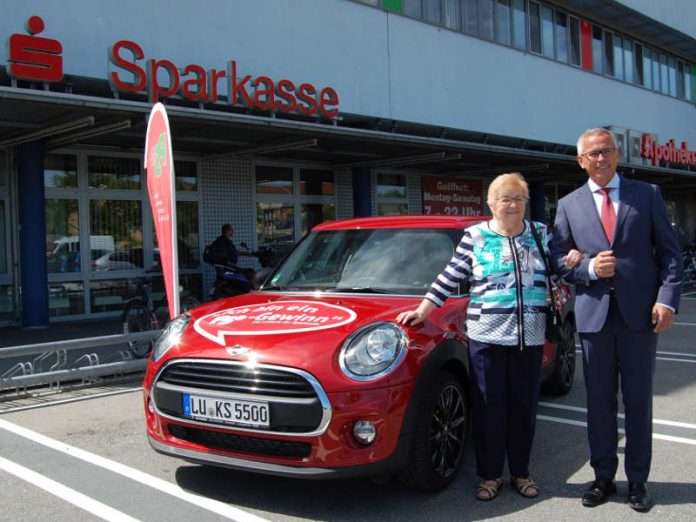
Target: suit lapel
<point>587,206</point>
<point>626,195</point>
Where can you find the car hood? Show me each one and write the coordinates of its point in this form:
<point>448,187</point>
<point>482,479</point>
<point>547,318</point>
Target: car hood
<point>297,330</point>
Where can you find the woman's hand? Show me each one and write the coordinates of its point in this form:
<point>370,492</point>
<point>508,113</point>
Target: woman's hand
<point>572,258</point>
<point>418,315</point>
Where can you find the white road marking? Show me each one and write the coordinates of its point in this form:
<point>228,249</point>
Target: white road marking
<point>73,399</point>
<point>619,415</point>
<point>213,506</point>
<point>68,494</point>
<point>658,436</point>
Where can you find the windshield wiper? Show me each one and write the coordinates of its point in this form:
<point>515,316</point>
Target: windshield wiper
<point>273,288</point>
<point>362,290</point>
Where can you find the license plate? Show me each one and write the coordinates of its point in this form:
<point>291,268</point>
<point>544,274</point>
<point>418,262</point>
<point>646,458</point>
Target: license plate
<point>227,411</point>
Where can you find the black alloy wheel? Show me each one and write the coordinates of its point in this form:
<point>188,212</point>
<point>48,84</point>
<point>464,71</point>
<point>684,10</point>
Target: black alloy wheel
<point>440,433</point>
<point>561,379</point>
<point>447,431</point>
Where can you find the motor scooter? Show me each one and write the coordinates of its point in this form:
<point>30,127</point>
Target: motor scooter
<point>233,280</point>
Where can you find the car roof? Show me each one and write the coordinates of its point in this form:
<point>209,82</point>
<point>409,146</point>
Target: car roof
<point>402,222</point>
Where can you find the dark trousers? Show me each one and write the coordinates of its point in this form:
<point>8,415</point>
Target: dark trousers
<point>504,397</point>
<point>615,352</point>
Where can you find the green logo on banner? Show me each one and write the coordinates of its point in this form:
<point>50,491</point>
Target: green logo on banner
<point>160,153</point>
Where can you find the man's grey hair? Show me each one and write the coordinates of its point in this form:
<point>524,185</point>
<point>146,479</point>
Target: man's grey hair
<point>594,132</point>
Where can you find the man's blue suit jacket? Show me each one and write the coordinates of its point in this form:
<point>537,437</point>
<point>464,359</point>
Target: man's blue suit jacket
<point>648,257</point>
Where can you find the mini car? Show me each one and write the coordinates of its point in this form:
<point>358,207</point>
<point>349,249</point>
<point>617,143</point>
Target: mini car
<point>310,376</point>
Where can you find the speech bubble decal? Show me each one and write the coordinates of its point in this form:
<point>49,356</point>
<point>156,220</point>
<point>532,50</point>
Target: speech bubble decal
<point>280,317</point>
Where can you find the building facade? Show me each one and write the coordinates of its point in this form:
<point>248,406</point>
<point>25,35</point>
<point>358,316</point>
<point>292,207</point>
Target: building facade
<point>288,113</point>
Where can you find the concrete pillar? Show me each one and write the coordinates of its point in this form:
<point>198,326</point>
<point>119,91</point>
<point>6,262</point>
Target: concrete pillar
<point>32,234</point>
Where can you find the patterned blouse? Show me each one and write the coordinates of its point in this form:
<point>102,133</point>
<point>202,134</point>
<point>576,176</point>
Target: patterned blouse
<point>507,283</point>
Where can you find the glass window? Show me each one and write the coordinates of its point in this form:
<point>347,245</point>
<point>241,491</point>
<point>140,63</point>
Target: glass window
<point>534,27</point>
<point>188,249</point>
<point>608,53</point>
<point>688,79</point>
<point>412,8</point>
<point>273,180</point>
<point>3,169</point>
<point>275,224</point>
<point>7,302</point>
<point>561,37</point>
<point>316,182</point>
<point>392,209</point>
<point>485,18</point>
<point>114,173</point>
<point>65,299</point>
<point>664,74</point>
<point>112,295</point>
<point>391,186</point>
<point>115,226</point>
<point>672,66</point>
<point>680,79</point>
<point>3,239</point>
<point>431,11</point>
<point>452,14</point>
<point>628,60</point>
<point>60,171</point>
<point>503,30</point>
<point>185,176</point>
<point>470,22</point>
<point>519,24</point>
<point>575,46</point>
<point>640,64</point>
<point>618,57</point>
<point>313,214</point>
<point>547,31</point>
<point>597,55</point>
<point>62,236</point>
<point>655,70</point>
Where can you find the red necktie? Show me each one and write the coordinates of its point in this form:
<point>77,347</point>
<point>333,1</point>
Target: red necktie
<point>608,215</point>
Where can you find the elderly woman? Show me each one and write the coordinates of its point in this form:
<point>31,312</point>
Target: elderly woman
<point>505,321</point>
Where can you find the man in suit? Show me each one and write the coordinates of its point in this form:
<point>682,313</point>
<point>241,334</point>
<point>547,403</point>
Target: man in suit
<point>627,290</point>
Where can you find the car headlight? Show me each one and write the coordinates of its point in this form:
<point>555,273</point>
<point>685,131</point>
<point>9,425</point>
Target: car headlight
<point>373,351</point>
<point>170,336</point>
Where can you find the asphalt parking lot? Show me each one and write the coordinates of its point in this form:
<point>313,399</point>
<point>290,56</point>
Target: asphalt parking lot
<point>90,460</point>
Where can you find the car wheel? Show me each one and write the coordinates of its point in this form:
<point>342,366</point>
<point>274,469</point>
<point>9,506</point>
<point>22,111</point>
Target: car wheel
<point>441,429</point>
<point>561,379</point>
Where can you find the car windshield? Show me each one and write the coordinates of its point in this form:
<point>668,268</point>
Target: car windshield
<point>388,260</point>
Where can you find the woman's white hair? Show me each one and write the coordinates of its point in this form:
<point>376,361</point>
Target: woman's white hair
<point>594,132</point>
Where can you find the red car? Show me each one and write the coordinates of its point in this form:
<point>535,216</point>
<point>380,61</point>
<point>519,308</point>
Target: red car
<point>311,377</point>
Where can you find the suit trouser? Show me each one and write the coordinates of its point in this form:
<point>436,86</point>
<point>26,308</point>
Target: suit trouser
<point>504,396</point>
<point>612,355</point>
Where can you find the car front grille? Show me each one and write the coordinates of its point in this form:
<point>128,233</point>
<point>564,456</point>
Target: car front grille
<point>238,379</point>
<point>240,443</point>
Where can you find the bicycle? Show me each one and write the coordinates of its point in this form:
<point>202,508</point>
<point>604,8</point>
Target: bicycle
<point>141,314</point>
<point>689,263</point>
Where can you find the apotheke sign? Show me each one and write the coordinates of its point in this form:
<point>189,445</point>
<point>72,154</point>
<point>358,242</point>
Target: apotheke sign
<point>653,151</point>
<point>34,58</point>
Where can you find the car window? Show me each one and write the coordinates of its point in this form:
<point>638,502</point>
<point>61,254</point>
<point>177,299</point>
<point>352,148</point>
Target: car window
<point>403,261</point>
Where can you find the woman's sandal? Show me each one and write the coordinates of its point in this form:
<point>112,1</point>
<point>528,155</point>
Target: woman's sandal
<point>525,486</point>
<point>488,489</point>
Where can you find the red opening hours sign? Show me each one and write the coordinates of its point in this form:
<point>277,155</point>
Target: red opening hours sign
<point>452,197</point>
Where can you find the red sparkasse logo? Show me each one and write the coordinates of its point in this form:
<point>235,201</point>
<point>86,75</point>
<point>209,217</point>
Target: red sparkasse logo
<point>195,83</point>
<point>35,58</point>
<point>277,317</point>
<point>655,152</point>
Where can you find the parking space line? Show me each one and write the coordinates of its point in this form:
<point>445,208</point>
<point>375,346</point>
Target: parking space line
<point>63,492</point>
<point>136,475</point>
<point>659,436</point>
<point>619,415</point>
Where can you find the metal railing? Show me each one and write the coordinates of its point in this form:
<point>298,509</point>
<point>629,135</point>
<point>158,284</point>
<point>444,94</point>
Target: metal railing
<point>51,371</point>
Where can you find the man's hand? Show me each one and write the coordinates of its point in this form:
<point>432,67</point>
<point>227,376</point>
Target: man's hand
<point>605,264</point>
<point>662,318</point>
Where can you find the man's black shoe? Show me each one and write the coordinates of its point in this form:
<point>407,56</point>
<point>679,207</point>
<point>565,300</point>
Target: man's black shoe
<point>598,493</point>
<point>639,498</point>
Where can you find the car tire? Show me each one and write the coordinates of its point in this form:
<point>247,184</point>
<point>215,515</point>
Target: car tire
<point>440,432</point>
<point>561,379</point>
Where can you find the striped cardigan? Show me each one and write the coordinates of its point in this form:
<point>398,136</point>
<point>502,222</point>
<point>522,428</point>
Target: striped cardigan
<point>507,285</point>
